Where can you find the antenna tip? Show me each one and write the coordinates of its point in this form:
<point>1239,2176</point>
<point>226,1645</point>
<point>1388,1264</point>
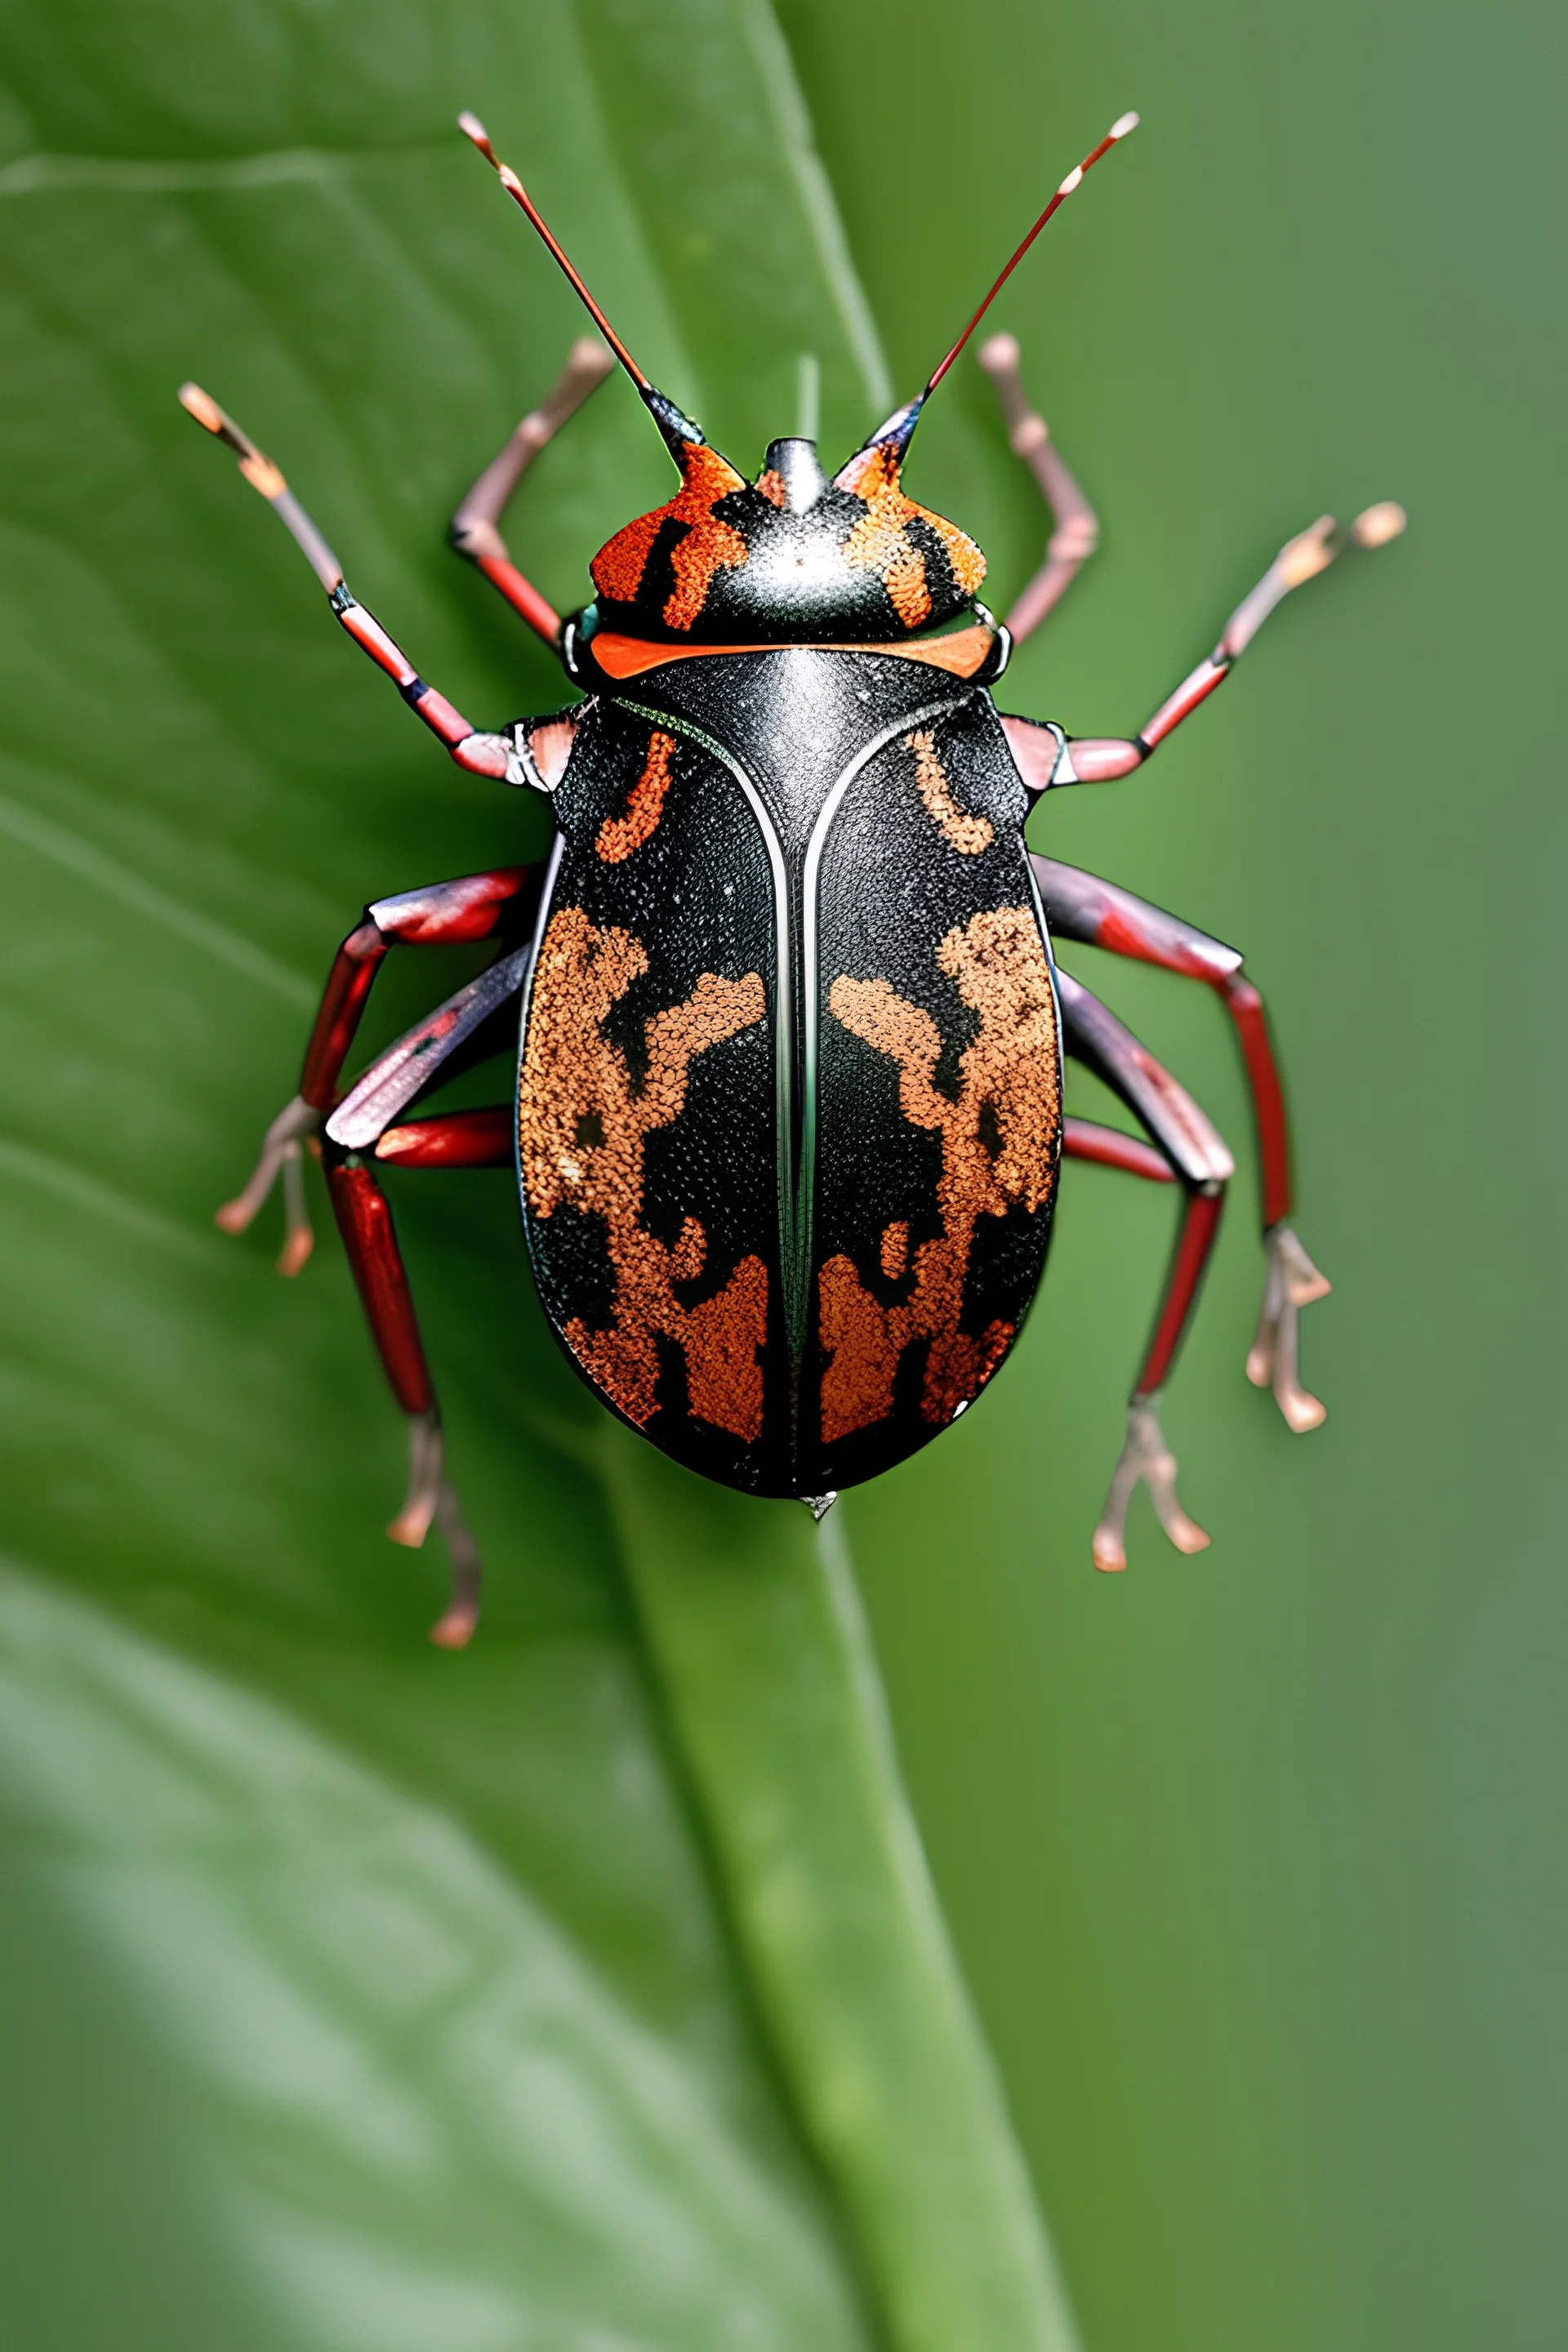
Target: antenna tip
<point>998,354</point>
<point>472,128</point>
<point>1123,124</point>
<point>1073,178</point>
<point>1375,526</point>
<point>202,406</point>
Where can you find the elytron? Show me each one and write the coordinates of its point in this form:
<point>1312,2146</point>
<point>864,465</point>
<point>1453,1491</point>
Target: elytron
<point>787,1121</point>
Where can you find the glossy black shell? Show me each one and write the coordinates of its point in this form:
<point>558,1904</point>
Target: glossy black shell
<point>789,1094</point>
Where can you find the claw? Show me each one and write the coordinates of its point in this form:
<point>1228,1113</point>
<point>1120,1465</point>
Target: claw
<point>299,1241</point>
<point>425,1479</point>
<point>280,1156</point>
<point>1146,1456</point>
<point>454,1630</point>
<point>432,1497</point>
<point>1291,1283</point>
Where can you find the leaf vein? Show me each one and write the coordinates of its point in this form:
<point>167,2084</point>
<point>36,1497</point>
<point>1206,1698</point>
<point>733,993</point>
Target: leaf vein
<point>43,174</point>
<point>143,898</point>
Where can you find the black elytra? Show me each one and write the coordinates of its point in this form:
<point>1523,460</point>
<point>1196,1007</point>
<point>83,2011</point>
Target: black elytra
<point>863,1162</point>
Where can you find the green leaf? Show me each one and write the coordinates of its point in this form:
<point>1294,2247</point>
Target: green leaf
<point>589,1990</point>
<point>416,2111</point>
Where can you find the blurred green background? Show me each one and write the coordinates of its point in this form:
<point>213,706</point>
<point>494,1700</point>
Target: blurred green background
<point>352,1995</point>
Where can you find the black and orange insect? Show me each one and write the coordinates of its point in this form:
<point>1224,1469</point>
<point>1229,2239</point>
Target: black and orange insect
<point>788,1115</point>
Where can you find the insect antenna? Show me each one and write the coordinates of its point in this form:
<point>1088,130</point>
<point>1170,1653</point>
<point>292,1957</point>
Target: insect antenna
<point>472,128</point>
<point>1119,130</point>
<point>892,438</point>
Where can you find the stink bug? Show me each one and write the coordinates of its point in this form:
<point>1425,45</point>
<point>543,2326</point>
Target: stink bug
<point>788,1116</point>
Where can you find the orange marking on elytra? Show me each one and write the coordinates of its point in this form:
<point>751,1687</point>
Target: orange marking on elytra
<point>619,836</point>
<point>880,543</point>
<point>707,547</point>
<point>689,1255</point>
<point>966,833</point>
<point>1000,1138</point>
<point>582,1130</point>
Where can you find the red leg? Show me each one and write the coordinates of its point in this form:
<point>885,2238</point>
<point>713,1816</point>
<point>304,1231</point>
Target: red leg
<point>457,1034</point>
<point>475,526</point>
<point>1186,1150</point>
<point>482,754</point>
<point>464,1138</point>
<point>459,1138</point>
<point>1046,757</point>
<point>1079,905</point>
<point>1244,1006</point>
<point>365,1220</point>
<point>444,914</point>
<point>1076,527</point>
<point>473,907</point>
<point>1106,1147</point>
<point>362,1122</point>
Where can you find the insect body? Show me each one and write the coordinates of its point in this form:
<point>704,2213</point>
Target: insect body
<point>788,1119</point>
<point>839,1153</point>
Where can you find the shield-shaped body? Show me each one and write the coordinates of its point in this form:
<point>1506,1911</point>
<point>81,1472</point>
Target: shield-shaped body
<point>789,1100</point>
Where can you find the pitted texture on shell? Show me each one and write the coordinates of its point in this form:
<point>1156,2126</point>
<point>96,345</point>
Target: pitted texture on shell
<point>618,836</point>
<point>966,833</point>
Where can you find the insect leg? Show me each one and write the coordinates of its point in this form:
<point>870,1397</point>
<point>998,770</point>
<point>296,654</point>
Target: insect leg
<point>444,914</point>
<point>1079,905</point>
<point>482,754</point>
<point>455,1138</point>
<point>461,1138</point>
<point>478,1021</point>
<point>365,1220</point>
<point>1045,757</point>
<point>1200,1162</point>
<point>467,1028</point>
<point>1076,527</point>
<point>475,526</point>
<point>1106,1147</point>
